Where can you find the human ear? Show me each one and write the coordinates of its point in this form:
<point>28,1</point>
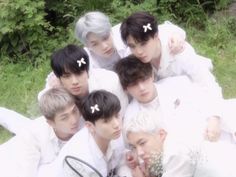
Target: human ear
<point>51,123</point>
<point>90,126</point>
<point>162,134</point>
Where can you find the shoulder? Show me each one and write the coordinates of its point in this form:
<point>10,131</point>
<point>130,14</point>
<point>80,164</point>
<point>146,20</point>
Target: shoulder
<point>116,28</point>
<point>102,76</point>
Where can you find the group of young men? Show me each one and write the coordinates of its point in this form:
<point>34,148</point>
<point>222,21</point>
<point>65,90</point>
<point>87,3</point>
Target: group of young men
<point>139,78</point>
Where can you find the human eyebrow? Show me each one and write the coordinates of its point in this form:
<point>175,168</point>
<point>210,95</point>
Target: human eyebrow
<point>140,141</point>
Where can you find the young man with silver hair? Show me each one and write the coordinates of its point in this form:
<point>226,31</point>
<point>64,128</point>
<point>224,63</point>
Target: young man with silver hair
<point>162,154</point>
<point>104,44</point>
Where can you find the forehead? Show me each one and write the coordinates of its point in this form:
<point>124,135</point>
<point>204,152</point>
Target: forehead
<point>67,110</point>
<point>92,37</point>
<point>135,137</point>
<point>131,40</point>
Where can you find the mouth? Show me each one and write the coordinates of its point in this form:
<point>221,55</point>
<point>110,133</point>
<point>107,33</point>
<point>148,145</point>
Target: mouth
<point>143,59</point>
<point>146,160</point>
<point>76,89</point>
<point>76,128</point>
<point>110,51</point>
<point>144,94</point>
<point>116,133</point>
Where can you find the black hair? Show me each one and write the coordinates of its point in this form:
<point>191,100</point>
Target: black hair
<point>66,60</point>
<point>107,103</point>
<point>130,70</point>
<point>133,26</point>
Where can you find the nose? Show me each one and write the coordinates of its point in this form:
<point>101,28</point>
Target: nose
<point>141,86</point>
<point>74,79</point>
<point>116,123</point>
<point>140,151</point>
<point>74,119</point>
<point>105,45</point>
<point>139,51</point>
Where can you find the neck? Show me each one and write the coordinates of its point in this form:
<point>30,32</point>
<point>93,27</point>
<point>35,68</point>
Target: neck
<point>157,58</point>
<point>102,143</point>
<point>155,94</point>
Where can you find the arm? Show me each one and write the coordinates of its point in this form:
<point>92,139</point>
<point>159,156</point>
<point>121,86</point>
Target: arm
<point>175,35</point>
<point>12,121</point>
<point>198,69</point>
<point>29,154</point>
<point>51,82</point>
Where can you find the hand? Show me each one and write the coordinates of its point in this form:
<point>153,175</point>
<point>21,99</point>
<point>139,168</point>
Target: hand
<point>131,160</point>
<point>137,172</point>
<point>53,81</point>
<point>213,129</point>
<point>176,44</point>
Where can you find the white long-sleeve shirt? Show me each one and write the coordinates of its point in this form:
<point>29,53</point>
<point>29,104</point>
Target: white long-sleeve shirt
<point>196,67</point>
<point>34,146</point>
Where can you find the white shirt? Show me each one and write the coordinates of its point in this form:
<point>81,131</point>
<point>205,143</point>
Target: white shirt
<point>98,79</point>
<point>121,51</point>
<point>83,146</point>
<point>198,158</point>
<point>179,158</point>
<point>182,106</point>
<point>196,67</point>
<point>34,146</point>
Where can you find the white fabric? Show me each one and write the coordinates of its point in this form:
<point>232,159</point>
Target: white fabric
<point>218,160</point>
<point>196,67</point>
<point>83,146</point>
<point>34,146</point>
<point>227,111</point>
<point>198,158</point>
<point>99,79</point>
<point>177,158</point>
<point>121,48</point>
<point>184,107</point>
<point>109,81</point>
<point>12,120</point>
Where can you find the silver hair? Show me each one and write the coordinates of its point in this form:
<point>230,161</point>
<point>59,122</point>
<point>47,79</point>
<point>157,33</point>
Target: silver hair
<point>92,22</point>
<point>144,121</point>
<point>53,101</point>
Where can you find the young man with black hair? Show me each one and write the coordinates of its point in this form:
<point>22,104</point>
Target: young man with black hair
<point>99,143</point>
<point>148,41</point>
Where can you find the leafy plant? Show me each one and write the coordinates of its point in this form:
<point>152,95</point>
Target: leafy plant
<point>22,28</point>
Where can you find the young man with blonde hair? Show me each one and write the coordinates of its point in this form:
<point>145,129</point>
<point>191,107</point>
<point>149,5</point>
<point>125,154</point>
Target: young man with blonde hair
<point>40,140</point>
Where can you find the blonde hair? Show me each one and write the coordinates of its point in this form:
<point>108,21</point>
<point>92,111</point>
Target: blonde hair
<point>54,101</point>
<point>144,121</point>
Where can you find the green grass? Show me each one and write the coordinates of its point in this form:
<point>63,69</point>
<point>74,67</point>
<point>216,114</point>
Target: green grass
<point>20,83</point>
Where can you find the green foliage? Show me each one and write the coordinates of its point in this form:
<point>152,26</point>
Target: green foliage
<point>217,42</point>
<point>190,12</point>
<point>121,9</point>
<point>22,29</point>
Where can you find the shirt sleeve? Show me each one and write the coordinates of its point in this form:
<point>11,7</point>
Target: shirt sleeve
<point>170,29</point>
<point>51,82</point>
<point>198,69</point>
<point>28,155</point>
